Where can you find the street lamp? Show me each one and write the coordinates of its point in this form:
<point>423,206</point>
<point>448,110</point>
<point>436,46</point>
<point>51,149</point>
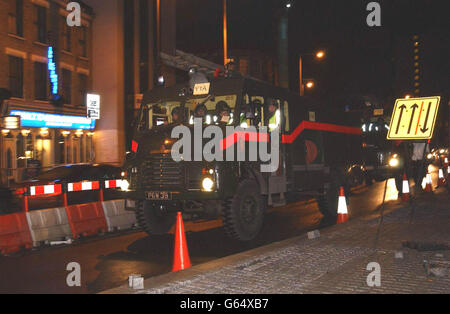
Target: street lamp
<point>225,34</point>
<point>309,84</point>
<point>319,55</point>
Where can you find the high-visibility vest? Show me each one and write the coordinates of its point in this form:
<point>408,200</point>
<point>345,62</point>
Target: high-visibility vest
<point>275,120</point>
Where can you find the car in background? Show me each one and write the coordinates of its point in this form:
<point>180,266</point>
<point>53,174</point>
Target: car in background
<point>69,174</point>
<point>439,155</point>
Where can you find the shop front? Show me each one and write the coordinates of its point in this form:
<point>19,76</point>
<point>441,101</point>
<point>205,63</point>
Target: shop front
<point>44,140</point>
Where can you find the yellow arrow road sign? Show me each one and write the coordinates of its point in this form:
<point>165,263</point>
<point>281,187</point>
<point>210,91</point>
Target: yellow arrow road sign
<point>414,118</point>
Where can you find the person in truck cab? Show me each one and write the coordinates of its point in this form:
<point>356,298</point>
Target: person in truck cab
<point>200,111</point>
<point>223,112</point>
<point>176,115</point>
<point>274,115</point>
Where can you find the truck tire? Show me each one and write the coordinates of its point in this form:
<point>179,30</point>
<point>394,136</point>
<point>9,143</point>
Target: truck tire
<point>355,177</point>
<point>151,220</point>
<point>243,215</point>
<point>329,201</point>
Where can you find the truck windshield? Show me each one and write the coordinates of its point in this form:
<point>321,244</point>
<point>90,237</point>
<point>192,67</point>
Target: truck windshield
<point>212,109</point>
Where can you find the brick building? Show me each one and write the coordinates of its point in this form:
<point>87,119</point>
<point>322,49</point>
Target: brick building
<point>33,36</point>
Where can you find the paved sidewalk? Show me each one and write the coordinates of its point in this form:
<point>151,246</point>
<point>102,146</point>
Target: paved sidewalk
<point>334,263</point>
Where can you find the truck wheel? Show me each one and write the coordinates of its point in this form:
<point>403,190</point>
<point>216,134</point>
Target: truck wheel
<point>355,177</point>
<point>153,221</point>
<point>243,215</point>
<point>329,201</point>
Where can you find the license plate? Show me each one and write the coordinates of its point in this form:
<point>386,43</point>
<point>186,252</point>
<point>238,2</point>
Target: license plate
<point>159,196</point>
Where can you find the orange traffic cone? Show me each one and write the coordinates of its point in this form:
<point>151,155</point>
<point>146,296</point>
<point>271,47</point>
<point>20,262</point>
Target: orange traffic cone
<point>181,258</point>
<point>342,207</point>
<point>405,189</point>
<point>428,186</point>
<point>446,162</point>
<point>441,180</point>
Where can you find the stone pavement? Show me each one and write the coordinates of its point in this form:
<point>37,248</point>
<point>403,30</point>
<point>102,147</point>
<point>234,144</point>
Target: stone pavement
<point>336,262</point>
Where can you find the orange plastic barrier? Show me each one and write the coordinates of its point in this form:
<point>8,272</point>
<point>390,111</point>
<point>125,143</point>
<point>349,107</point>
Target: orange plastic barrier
<point>86,219</point>
<point>14,233</point>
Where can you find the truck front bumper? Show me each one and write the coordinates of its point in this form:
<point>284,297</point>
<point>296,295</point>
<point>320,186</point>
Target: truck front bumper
<point>177,199</point>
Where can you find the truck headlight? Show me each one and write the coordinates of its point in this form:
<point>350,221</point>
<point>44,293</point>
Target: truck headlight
<point>394,162</point>
<point>124,186</point>
<point>207,184</point>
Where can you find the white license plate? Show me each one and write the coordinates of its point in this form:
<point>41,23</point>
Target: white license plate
<point>159,196</point>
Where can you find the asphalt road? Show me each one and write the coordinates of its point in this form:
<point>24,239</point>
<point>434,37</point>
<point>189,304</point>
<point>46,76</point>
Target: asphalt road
<point>106,262</point>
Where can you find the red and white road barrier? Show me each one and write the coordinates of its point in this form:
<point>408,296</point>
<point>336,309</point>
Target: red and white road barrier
<point>48,225</point>
<point>117,218</point>
<point>83,186</point>
<point>32,228</point>
<point>113,184</point>
<point>14,233</point>
<point>45,190</point>
<point>86,219</point>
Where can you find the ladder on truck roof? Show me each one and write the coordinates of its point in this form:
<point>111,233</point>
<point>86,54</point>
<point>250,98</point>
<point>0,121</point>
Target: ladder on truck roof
<point>185,61</point>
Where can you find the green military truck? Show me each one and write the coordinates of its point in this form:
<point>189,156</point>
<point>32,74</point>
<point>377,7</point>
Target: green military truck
<point>315,157</point>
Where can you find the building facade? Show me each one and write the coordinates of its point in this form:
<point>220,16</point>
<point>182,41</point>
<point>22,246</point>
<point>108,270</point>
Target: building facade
<point>41,57</point>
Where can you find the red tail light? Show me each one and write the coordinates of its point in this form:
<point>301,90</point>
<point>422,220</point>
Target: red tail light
<point>134,146</point>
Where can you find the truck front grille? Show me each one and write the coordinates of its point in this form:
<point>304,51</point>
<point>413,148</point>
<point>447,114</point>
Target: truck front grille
<point>161,172</point>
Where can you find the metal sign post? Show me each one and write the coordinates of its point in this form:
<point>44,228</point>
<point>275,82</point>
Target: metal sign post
<point>412,119</point>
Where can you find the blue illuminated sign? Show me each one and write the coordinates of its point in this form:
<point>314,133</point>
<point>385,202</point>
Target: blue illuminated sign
<point>54,121</point>
<point>52,71</point>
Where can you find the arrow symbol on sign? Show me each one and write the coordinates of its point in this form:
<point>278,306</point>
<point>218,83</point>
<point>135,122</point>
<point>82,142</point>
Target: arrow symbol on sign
<point>425,129</point>
<point>414,107</point>
<point>402,107</point>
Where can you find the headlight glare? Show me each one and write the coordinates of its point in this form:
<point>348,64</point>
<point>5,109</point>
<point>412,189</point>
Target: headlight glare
<point>394,162</point>
<point>124,186</point>
<point>207,184</point>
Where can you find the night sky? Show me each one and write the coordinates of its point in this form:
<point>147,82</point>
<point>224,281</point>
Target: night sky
<point>361,61</point>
